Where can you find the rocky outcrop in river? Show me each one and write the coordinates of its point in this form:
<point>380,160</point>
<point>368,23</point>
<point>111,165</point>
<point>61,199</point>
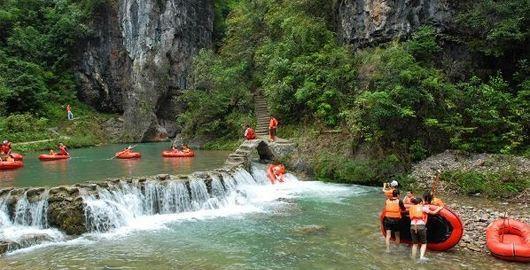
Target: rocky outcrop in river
<point>138,61</point>
<point>369,22</point>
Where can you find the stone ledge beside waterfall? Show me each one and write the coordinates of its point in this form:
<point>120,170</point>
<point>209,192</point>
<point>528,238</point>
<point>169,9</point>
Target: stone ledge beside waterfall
<point>95,206</point>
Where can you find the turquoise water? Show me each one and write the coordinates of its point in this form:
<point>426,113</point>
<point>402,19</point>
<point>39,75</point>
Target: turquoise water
<point>298,225</point>
<point>93,164</point>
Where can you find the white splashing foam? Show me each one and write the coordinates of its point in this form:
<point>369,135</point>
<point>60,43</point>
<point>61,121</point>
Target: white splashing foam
<point>126,209</point>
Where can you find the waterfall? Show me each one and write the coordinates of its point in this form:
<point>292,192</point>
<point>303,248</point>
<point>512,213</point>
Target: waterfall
<point>25,213</point>
<point>24,222</point>
<point>120,204</point>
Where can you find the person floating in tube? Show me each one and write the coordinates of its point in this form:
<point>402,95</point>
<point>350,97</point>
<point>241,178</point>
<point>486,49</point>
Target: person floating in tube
<point>5,150</point>
<point>276,172</point>
<point>186,148</point>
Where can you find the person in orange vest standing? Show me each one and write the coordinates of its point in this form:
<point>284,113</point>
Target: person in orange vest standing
<point>69,113</point>
<point>418,214</point>
<point>392,220</point>
<point>250,134</point>
<point>273,125</point>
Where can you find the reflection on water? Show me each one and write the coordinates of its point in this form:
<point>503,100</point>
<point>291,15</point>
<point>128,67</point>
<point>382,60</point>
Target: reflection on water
<point>177,165</point>
<point>8,177</point>
<point>129,165</point>
<point>93,164</point>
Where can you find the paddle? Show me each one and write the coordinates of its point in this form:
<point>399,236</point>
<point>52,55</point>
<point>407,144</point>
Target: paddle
<point>435,182</point>
<point>130,147</point>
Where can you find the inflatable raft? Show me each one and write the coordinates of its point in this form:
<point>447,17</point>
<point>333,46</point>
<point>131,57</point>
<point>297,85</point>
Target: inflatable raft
<point>177,153</point>
<point>48,157</point>
<point>444,230</point>
<point>17,156</point>
<point>509,239</point>
<point>128,155</point>
<point>11,165</point>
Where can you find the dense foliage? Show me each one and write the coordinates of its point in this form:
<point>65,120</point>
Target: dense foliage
<point>504,183</point>
<point>38,43</point>
<point>396,98</point>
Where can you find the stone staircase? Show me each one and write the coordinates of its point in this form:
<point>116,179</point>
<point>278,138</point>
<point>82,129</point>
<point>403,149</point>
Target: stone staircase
<point>262,115</point>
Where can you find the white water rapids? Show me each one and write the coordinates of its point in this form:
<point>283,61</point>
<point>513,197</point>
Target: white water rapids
<point>129,207</point>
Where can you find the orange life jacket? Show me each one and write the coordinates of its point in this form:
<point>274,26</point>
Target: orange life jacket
<point>416,213</point>
<point>392,209</point>
<point>437,202</point>
<point>273,123</point>
<point>389,193</point>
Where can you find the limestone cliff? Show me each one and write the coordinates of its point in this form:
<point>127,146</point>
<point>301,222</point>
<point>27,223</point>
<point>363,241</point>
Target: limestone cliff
<point>139,58</point>
<point>369,22</point>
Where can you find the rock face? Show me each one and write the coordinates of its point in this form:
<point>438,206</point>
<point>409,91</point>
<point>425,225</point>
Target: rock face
<point>139,60</point>
<point>369,22</point>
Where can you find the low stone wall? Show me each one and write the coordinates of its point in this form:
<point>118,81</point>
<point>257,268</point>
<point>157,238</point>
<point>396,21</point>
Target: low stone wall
<point>66,206</point>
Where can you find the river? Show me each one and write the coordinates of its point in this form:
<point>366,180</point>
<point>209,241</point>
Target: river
<point>249,224</point>
<point>94,163</point>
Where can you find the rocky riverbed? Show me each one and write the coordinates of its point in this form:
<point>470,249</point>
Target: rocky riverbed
<point>477,213</point>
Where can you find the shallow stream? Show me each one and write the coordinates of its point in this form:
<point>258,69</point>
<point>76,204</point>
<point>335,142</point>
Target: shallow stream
<point>248,224</point>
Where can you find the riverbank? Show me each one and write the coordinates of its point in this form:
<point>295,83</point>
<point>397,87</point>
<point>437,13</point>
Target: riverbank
<point>477,213</point>
<point>29,133</point>
<point>479,187</point>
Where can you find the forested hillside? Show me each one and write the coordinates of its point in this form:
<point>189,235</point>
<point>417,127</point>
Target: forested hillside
<point>38,44</point>
<point>457,78</point>
<point>464,86</point>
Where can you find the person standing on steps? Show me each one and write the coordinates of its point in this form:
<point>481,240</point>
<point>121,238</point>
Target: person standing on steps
<point>273,125</point>
<point>250,134</point>
<point>69,113</point>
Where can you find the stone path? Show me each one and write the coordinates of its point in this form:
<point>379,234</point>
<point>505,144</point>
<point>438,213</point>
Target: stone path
<point>262,115</point>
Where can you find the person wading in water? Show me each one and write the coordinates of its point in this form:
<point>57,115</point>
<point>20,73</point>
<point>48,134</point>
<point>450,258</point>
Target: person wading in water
<point>393,208</point>
<point>418,214</point>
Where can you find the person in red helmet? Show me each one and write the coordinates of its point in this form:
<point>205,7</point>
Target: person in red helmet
<point>273,125</point>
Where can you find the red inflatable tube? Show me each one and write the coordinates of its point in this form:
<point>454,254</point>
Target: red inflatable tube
<point>509,239</point>
<point>177,153</point>
<point>17,156</point>
<point>128,155</point>
<point>444,230</point>
<point>47,157</point>
<point>11,165</point>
